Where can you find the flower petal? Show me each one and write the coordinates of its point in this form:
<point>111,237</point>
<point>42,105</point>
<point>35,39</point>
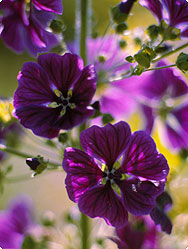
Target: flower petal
<point>177,10</point>
<point>142,159</point>
<point>154,6</point>
<point>164,82</point>
<point>39,119</point>
<point>85,87</point>
<point>63,70</point>
<point>139,197</point>
<point>82,172</point>
<point>107,143</point>
<point>102,201</point>
<point>34,86</point>
<point>73,117</point>
<point>54,6</point>
<point>149,118</point>
<point>12,33</point>
<point>158,214</point>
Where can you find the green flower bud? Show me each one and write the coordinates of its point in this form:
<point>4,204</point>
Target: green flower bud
<point>37,164</point>
<point>182,61</point>
<point>153,32</point>
<point>130,59</point>
<point>107,118</point>
<point>117,15</point>
<point>121,27</point>
<point>56,26</point>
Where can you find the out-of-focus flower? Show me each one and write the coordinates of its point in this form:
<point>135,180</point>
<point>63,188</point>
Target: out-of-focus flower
<point>164,91</point>
<point>54,93</point>
<point>177,12</point>
<point>140,233</point>
<point>23,24</point>
<point>15,223</point>
<point>109,61</point>
<point>158,214</point>
<point>93,175</point>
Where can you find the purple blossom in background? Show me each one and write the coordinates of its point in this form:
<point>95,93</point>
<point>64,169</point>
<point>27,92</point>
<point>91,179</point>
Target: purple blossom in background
<point>9,135</point>
<point>109,61</point>
<point>177,12</point>
<point>24,25</point>
<point>15,223</point>
<point>140,233</point>
<point>54,93</point>
<point>158,214</point>
<point>93,175</point>
<point>166,91</point>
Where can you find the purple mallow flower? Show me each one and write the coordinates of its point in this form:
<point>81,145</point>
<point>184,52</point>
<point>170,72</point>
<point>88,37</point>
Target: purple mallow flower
<point>54,93</point>
<point>15,223</point>
<point>24,25</point>
<point>164,94</point>
<point>109,60</point>
<point>140,233</point>
<point>101,186</point>
<point>177,11</point>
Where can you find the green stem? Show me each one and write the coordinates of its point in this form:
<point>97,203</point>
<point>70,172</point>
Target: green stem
<point>157,68</point>
<point>85,228</point>
<point>22,154</point>
<point>83,32</point>
<point>171,52</point>
<point>84,220</point>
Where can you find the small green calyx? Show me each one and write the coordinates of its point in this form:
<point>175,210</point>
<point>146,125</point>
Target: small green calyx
<point>101,59</point>
<point>37,164</point>
<point>145,56</point>
<point>167,32</point>
<point>182,62</point>
<point>153,32</point>
<point>117,16</point>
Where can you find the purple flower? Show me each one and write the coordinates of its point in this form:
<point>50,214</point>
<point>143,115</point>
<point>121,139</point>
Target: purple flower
<point>14,223</point>
<point>140,233</point>
<point>95,180</point>
<point>158,214</point>
<point>177,11</point>
<point>161,90</point>
<point>109,61</point>
<point>54,93</point>
<point>24,26</point>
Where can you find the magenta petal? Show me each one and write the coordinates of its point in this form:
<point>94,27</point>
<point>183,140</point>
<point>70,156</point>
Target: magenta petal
<point>177,10</point>
<point>54,6</point>
<point>39,119</point>
<point>82,172</point>
<point>62,70</point>
<point>85,87</point>
<point>178,139</point>
<point>73,117</point>
<point>184,32</point>
<point>142,159</point>
<point>107,143</point>
<point>34,86</point>
<point>101,201</point>
<point>164,82</point>
<point>139,197</point>
<point>12,33</point>
<point>154,6</point>
<point>149,118</point>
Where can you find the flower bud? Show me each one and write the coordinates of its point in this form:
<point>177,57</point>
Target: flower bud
<point>36,164</point>
<point>121,11</point>
<point>126,6</point>
<point>182,61</point>
<point>121,27</point>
